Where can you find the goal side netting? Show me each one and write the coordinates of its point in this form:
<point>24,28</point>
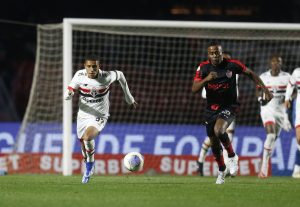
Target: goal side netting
<point>159,60</point>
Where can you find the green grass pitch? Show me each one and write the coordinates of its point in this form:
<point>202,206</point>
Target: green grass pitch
<point>147,191</point>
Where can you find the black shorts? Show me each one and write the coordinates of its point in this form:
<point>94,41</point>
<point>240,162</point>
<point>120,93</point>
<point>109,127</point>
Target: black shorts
<point>226,113</point>
<point>211,116</point>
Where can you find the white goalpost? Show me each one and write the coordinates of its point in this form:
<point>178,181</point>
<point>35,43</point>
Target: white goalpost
<point>159,59</point>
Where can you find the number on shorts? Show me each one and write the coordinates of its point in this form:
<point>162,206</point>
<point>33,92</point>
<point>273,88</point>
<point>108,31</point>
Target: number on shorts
<point>99,120</point>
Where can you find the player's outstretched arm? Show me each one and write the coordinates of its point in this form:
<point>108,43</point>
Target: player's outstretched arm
<point>128,97</point>
<point>259,83</point>
<point>198,85</point>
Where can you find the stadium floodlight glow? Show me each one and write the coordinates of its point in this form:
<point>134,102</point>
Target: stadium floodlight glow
<point>166,52</point>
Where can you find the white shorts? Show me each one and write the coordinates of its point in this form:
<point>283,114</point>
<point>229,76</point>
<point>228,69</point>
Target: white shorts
<point>271,116</point>
<point>83,123</point>
<point>231,126</point>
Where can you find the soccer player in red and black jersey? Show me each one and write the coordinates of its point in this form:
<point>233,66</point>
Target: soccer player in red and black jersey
<point>218,76</point>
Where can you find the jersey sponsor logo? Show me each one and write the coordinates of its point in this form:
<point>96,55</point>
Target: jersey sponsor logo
<point>92,100</point>
<point>216,86</point>
<point>80,74</point>
<point>229,73</point>
<point>94,92</point>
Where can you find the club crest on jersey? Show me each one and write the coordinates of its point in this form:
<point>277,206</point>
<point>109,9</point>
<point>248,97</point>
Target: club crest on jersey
<point>229,73</point>
<point>94,92</point>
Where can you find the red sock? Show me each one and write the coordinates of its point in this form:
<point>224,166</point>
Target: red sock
<point>229,150</point>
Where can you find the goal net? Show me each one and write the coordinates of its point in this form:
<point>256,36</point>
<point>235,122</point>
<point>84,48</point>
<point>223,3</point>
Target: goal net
<point>159,60</point>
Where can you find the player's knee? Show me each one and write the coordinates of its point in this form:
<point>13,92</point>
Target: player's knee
<point>207,142</point>
<point>86,137</point>
<point>218,131</point>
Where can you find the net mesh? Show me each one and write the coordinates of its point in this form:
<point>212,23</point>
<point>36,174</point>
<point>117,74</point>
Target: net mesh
<point>159,65</point>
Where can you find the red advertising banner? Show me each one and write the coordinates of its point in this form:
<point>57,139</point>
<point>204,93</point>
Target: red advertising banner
<point>110,164</point>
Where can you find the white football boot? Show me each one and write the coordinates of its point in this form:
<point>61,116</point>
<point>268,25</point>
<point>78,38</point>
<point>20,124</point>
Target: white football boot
<point>221,177</point>
<point>296,172</point>
<point>233,165</point>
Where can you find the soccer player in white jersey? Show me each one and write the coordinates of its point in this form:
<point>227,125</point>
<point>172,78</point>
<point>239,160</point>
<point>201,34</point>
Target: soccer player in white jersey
<point>93,85</point>
<point>295,83</point>
<point>207,143</point>
<point>273,114</point>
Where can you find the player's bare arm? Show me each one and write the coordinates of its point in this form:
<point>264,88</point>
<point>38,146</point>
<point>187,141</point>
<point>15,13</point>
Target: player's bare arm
<point>260,96</point>
<point>291,93</point>
<point>198,85</point>
<point>256,79</point>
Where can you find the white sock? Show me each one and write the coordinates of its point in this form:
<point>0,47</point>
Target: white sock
<point>90,150</point>
<point>83,151</point>
<point>268,147</point>
<point>204,149</point>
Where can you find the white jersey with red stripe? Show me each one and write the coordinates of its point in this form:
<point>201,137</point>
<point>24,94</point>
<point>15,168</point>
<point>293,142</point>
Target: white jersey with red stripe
<point>274,112</point>
<point>277,86</point>
<point>94,93</point>
<point>295,83</point>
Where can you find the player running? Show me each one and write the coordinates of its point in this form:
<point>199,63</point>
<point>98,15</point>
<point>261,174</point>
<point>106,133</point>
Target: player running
<point>93,85</point>
<point>273,113</point>
<point>218,76</point>
<point>206,143</point>
<point>295,83</point>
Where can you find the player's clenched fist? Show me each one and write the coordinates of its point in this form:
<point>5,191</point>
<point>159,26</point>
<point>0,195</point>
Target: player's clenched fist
<point>211,76</point>
<point>68,94</point>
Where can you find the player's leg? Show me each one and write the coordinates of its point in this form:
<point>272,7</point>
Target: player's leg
<point>268,119</point>
<point>296,172</point>
<point>83,150</point>
<point>230,133</point>
<point>204,148</point>
<point>220,132</point>
<point>268,147</point>
<point>89,145</point>
<point>217,152</point>
<point>92,130</point>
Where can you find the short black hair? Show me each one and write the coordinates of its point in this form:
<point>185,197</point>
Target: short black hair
<point>275,55</point>
<point>91,56</point>
<point>214,43</point>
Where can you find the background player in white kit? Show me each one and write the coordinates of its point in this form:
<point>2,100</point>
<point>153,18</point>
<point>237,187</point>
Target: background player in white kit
<point>295,83</point>
<point>93,86</point>
<point>273,114</point>
<point>207,143</point>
